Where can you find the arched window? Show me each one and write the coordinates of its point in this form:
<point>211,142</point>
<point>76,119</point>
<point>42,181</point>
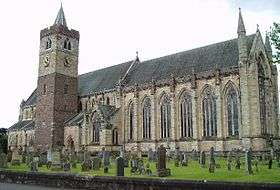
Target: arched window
<point>131,120</point>
<point>165,117</point>
<point>147,118</point>
<point>67,44</point>
<point>95,132</point>
<point>48,43</point>
<point>115,137</point>
<point>232,112</point>
<point>262,95</point>
<point>108,101</point>
<point>186,115</point>
<point>209,115</point>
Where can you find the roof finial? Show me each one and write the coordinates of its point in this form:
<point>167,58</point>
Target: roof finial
<point>267,43</point>
<point>60,18</point>
<point>241,26</point>
<point>137,57</point>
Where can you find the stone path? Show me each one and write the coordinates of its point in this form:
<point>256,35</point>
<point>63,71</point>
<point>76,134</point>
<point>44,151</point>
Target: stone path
<point>7,186</point>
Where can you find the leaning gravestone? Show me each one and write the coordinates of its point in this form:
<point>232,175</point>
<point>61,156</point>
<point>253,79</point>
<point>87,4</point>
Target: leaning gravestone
<point>202,159</point>
<point>3,160</point>
<point>151,156</point>
<point>162,171</point>
<point>212,161</point>
<point>120,166</point>
<point>56,160</point>
<point>248,162</point>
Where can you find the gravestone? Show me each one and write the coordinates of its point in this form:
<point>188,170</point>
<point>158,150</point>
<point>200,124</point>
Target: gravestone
<point>96,163</point>
<point>162,171</point>
<point>151,155</point>
<point>106,169</point>
<point>212,161</point>
<point>185,159</point>
<point>67,166</point>
<point>34,166</point>
<point>122,152</point>
<point>270,161</point>
<point>237,161</point>
<point>278,158</point>
<point>3,160</point>
<point>229,160</point>
<point>255,164</point>
<point>16,157</point>
<point>106,158</point>
<point>120,166</point>
<point>177,157</point>
<point>248,162</point>
<point>56,160</point>
<point>202,159</point>
<point>148,170</point>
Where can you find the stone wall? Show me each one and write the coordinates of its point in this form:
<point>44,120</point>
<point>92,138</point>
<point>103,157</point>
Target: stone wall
<point>124,183</point>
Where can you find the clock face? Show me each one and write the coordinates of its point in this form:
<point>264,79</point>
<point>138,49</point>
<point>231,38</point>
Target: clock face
<point>46,61</point>
<point>67,62</point>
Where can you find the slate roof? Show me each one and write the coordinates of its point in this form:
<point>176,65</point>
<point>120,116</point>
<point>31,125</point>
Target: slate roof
<point>22,125</point>
<point>77,119</point>
<point>223,56</point>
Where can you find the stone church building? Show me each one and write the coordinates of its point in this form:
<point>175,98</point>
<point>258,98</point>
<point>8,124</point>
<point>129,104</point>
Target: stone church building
<point>223,95</point>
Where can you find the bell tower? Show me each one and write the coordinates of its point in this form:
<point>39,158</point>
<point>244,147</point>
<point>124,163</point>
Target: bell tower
<point>57,82</point>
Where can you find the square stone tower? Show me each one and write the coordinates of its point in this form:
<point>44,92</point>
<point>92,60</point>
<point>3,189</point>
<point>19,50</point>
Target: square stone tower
<point>57,96</point>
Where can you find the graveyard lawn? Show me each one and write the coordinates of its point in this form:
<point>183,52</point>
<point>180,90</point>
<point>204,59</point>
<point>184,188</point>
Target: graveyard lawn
<point>191,172</point>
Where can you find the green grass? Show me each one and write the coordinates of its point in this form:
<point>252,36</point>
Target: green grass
<point>191,172</point>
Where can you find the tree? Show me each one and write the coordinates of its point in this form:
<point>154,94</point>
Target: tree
<point>274,35</point>
<point>3,139</point>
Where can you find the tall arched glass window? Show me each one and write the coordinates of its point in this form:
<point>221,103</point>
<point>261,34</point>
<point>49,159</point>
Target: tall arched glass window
<point>232,112</point>
<point>165,116</point>
<point>95,132</point>
<point>67,44</point>
<point>262,96</point>
<point>147,118</point>
<point>186,115</point>
<point>209,115</point>
<point>130,120</point>
<point>48,43</point>
<point>115,136</point>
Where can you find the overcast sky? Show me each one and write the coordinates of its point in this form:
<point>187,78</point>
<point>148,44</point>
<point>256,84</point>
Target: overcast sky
<point>112,31</point>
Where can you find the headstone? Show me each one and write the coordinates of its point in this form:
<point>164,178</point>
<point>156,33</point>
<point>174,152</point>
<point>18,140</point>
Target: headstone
<point>120,166</point>
<point>256,163</point>
<point>194,155</point>
<point>237,161</point>
<point>86,166</point>
<point>185,159</point>
<point>106,169</point>
<point>67,166</point>
<point>16,157</point>
<point>148,170</point>
<point>151,155</point>
<point>162,171</point>
<point>278,158</point>
<point>270,161</point>
<point>229,160</point>
<point>49,155</point>
<point>34,166</point>
<point>122,152</point>
<point>96,163</point>
<point>202,159</point>
<point>212,161</point>
<point>106,158</point>
<point>56,160</point>
<point>3,160</point>
<point>248,162</point>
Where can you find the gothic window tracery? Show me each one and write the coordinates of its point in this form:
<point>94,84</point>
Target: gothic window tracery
<point>95,132</point>
<point>147,118</point>
<point>115,137</point>
<point>262,96</point>
<point>165,113</point>
<point>67,44</point>
<point>186,115</point>
<point>232,112</point>
<point>131,120</point>
<point>209,114</point>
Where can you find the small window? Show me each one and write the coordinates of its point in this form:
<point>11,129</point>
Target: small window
<point>66,87</point>
<point>49,44</point>
<point>44,89</point>
<point>67,44</point>
<point>108,101</point>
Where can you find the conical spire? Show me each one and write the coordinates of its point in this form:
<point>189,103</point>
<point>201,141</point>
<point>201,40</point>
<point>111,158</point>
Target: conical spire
<point>241,26</point>
<point>267,44</point>
<point>60,18</point>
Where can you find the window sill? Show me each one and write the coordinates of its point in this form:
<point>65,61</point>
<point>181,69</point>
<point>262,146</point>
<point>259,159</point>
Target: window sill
<point>186,139</point>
